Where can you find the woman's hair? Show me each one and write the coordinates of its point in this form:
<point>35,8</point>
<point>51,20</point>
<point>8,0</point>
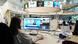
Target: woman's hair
<point>15,25</point>
<point>5,35</point>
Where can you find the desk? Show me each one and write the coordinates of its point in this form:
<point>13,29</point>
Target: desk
<point>32,37</point>
<point>73,39</point>
<point>48,37</point>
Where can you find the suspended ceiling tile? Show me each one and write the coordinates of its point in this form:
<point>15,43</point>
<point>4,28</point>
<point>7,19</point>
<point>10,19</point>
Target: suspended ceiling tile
<point>2,2</point>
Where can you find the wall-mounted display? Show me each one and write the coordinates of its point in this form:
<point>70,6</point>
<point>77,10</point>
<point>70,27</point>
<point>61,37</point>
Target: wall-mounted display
<point>56,4</point>
<point>32,4</point>
<point>40,3</point>
<point>48,3</point>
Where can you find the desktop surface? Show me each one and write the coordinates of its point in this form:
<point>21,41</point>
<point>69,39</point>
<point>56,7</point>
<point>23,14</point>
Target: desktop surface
<point>73,39</point>
<point>43,37</point>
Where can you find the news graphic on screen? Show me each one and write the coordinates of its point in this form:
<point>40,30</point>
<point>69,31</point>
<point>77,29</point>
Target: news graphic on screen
<point>36,23</point>
<point>45,23</point>
<point>48,3</point>
<point>32,4</point>
<point>56,4</point>
<point>31,23</point>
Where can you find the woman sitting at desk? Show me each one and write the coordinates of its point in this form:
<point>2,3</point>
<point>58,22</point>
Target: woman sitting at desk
<point>15,27</point>
<point>16,31</point>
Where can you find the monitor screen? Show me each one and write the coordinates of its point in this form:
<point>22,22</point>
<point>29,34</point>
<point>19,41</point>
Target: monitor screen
<point>32,4</point>
<point>31,23</point>
<point>56,4</point>
<point>48,3</point>
<point>36,23</point>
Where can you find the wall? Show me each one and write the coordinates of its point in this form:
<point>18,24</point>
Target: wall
<point>9,6</point>
<point>2,14</point>
<point>8,17</point>
<point>3,10</point>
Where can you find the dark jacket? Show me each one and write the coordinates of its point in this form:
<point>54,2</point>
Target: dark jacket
<point>5,35</point>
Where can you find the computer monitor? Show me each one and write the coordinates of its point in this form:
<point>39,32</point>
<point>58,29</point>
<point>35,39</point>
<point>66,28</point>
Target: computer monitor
<point>56,4</point>
<point>31,23</point>
<point>36,23</point>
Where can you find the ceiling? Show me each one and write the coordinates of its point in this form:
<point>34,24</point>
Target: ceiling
<point>2,2</point>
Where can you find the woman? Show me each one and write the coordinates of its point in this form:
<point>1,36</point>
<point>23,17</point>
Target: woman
<point>14,28</point>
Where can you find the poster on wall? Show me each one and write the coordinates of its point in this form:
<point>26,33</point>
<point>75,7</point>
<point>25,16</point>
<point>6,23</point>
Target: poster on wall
<point>32,4</point>
<point>40,3</point>
<point>48,3</point>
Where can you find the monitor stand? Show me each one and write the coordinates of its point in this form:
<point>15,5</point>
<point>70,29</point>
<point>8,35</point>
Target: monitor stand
<point>33,32</point>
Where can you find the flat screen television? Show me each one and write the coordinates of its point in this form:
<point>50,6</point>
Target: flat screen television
<point>48,3</point>
<point>56,4</point>
<point>36,23</point>
<point>32,4</point>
